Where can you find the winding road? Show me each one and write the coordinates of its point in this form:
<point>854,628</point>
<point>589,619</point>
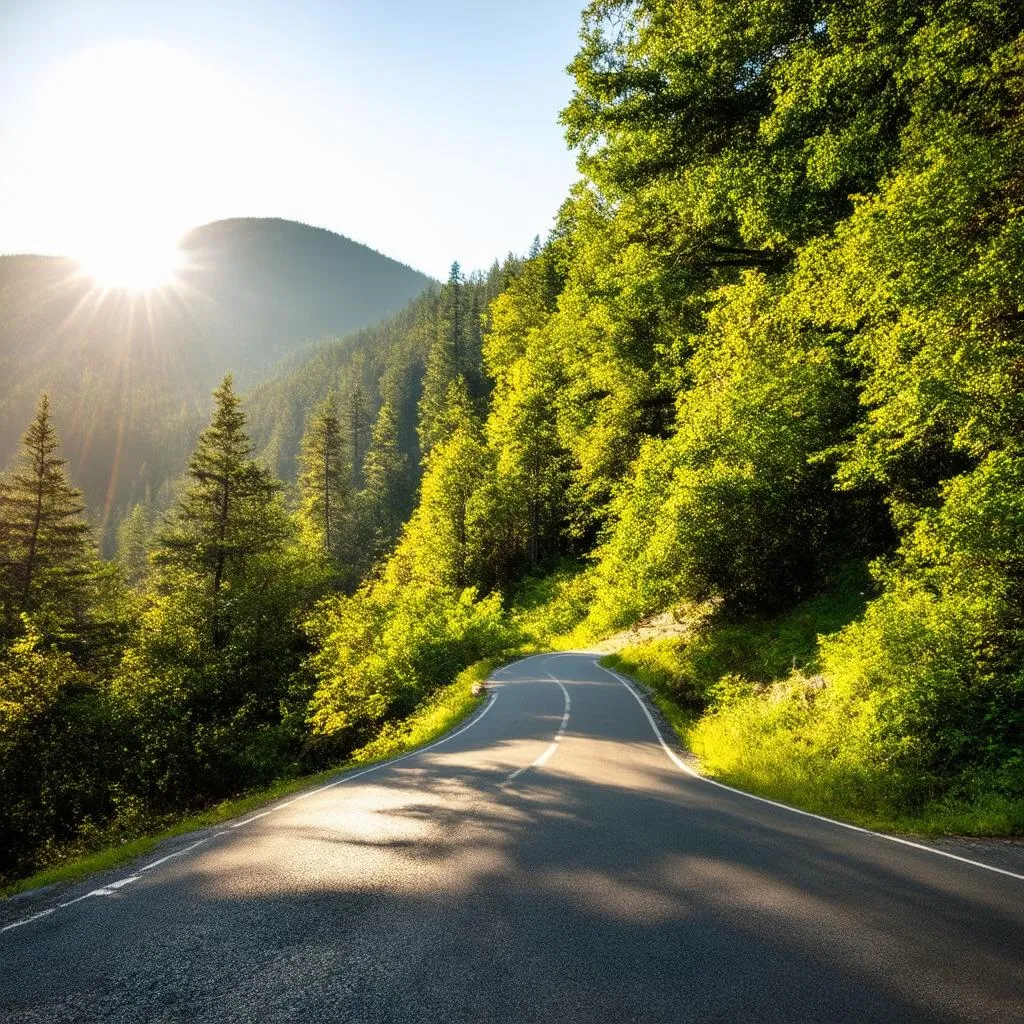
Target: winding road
<point>551,860</point>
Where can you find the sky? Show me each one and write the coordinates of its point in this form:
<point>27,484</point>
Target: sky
<point>428,131</point>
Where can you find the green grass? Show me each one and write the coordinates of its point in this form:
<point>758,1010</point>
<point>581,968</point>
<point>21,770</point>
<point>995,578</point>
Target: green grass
<point>436,716</point>
<point>742,695</point>
<point>650,664</point>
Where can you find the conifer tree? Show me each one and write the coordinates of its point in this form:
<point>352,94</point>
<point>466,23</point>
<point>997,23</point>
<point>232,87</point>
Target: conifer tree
<point>445,361</point>
<point>324,480</point>
<point>451,327</point>
<point>45,546</point>
<point>228,514</point>
<point>355,429</point>
<point>441,542</point>
<point>386,471</point>
<point>133,536</point>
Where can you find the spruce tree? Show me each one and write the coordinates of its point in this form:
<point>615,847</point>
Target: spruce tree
<point>133,536</point>
<point>446,361</point>
<point>324,480</point>
<point>387,484</point>
<point>229,513</point>
<point>46,555</point>
<point>442,540</point>
<point>355,428</point>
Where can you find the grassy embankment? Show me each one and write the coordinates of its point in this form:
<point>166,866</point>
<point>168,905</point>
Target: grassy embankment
<point>436,716</point>
<point>748,698</point>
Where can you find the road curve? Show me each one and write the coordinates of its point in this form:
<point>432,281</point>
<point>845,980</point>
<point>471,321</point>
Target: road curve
<point>548,862</point>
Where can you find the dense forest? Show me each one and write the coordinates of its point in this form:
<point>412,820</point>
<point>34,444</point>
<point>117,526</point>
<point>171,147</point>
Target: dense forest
<point>774,343</point>
<point>130,373</point>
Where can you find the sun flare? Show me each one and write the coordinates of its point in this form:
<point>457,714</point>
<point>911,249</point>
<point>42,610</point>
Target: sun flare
<point>135,264</point>
<point>138,116</point>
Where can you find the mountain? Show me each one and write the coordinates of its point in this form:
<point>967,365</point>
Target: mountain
<point>129,373</point>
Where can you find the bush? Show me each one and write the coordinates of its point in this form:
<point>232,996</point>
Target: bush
<point>59,752</point>
<point>380,651</point>
<point>903,724</point>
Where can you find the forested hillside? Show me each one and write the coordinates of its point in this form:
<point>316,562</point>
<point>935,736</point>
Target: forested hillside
<point>765,373</point>
<point>130,373</point>
<point>379,365</point>
<point>775,335</point>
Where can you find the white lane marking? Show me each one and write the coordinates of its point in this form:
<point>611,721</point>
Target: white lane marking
<point>388,764</point>
<point>107,890</point>
<point>25,920</point>
<point>122,882</point>
<point>177,853</point>
<point>553,745</point>
<point>247,821</point>
<point>110,889</point>
<point>795,810</point>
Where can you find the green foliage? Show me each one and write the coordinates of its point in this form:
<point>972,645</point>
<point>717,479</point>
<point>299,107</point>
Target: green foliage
<point>204,685</point>
<point>134,537</point>
<point>877,723</point>
<point>60,754</point>
<point>326,509</point>
<point>48,568</point>
<point>228,516</point>
<point>438,713</point>
<point>387,500</point>
<point>443,543</point>
<point>379,652</point>
<point>712,643</point>
<point>545,609</point>
<point>522,504</point>
<point>207,719</point>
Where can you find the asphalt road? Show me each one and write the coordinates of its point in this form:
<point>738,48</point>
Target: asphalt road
<point>504,875</point>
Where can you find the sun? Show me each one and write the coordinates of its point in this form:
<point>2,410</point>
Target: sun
<point>133,264</point>
<point>131,121</point>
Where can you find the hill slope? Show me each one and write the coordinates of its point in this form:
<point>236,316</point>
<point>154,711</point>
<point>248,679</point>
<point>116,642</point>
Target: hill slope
<point>130,373</point>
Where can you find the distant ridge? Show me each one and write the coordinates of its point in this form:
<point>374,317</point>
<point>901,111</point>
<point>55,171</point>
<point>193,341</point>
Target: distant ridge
<point>129,375</point>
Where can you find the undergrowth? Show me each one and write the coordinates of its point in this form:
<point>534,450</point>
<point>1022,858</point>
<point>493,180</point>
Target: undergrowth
<point>775,707</point>
<point>100,851</point>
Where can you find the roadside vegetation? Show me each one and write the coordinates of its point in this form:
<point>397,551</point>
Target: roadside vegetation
<point>99,850</point>
<point>778,707</point>
<point>776,333</point>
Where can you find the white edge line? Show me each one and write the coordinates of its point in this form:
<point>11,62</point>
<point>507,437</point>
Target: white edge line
<point>682,765</point>
<point>121,882</point>
<point>388,764</point>
<point>255,817</point>
<point>106,890</point>
<point>177,853</point>
<point>25,920</point>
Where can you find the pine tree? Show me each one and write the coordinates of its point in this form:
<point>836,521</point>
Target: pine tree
<point>324,480</point>
<point>228,515</point>
<point>446,361</point>
<point>387,496</point>
<point>451,328</point>
<point>355,429</point>
<point>46,554</point>
<point>441,543</point>
<point>133,536</point>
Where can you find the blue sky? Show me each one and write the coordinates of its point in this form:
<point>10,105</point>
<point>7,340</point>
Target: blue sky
<point>429,131</point>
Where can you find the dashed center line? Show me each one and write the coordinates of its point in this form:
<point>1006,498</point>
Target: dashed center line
<point>553,745</point>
